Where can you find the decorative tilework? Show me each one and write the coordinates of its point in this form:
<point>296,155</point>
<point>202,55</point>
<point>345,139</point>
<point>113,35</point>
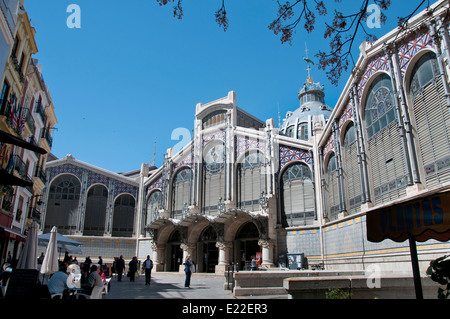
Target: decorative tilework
<point>377,63</point>
<point>66,168</point>
<point>94,178</point>
<point>155,184</point>
<point>407,50</point>
<point>220,135</point>
<point>329,146</point>
<point>244,143</point>
<point>120,187</point>
<point>288,154</point>
<point>346,115</point>
<point>185,161</point>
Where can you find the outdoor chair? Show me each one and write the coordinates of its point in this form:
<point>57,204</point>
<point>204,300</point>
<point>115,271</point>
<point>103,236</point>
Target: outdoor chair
<point>96,294</point>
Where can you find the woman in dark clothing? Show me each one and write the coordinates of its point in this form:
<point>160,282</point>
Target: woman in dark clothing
<point>132,268</point>
<point>187,270</point>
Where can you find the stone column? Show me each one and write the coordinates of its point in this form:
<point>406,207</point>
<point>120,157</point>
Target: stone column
<point>224,248</point>
<point>267,246</point>
<point>158,256</point>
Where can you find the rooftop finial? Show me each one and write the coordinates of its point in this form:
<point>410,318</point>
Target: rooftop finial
<point>309,80</point>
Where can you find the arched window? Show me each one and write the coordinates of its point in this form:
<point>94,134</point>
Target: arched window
<point>331,188</point>
<point>214,118</point>
<point>213,177</point>
<point>181,188</point>
<point>251,181</point>
<point>290,131</point>
<point>123,219</point>
<point>154,203</point>
<point>94,218</point>
<point>352,180</point>
<point>386,161</point>
<point>303,132</point>
<point>298,195</point>
<point>432,120</point>
<point>62,206</point>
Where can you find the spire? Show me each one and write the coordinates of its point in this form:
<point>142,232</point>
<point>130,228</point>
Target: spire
<point>309,80</point>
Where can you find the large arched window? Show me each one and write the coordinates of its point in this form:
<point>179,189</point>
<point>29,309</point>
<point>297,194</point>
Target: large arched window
<point>181,194</point>
<point>123,218</point>
<point>94,218</point>
<point>251,181</point>
<point>385,151</point>
<point>303,131</point>
<point>331,188</point>
<point>214,118</point>
<point>154,203</point>
<point>432,120</point>
<point>352,180</point>
<point>213,177</point>
<point>298,195</point>
<point>62,206</point>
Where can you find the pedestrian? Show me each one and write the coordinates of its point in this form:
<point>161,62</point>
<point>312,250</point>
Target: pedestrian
<point>187,270</point>
<point>120,266</point>
<point>148,266</point>
<point>253,265</point>
<point>132,268</point>
<point>100,261</point>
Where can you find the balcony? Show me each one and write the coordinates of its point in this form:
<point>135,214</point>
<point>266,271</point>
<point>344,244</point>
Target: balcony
<point>40,110</point>
<point>47,136</point>
<point>21,168</point>
<point>18,68</point>
<point>28,118</point>
<point>40,173</point>
<point>34,215</point>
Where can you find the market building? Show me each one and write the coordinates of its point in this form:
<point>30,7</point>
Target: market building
<point>300,193</point>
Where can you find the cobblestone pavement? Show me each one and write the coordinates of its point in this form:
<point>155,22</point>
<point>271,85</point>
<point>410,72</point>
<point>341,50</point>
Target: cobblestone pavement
<point>169,286</point>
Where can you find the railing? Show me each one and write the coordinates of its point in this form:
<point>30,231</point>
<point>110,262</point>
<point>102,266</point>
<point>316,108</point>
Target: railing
<point>21,168</point>
<point>39,109</point>
<point>40,173</point>
<point>18,68</point>
<point>26,114</point>
<point>47,136</point>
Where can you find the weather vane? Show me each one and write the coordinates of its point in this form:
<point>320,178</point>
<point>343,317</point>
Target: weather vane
<point>309,62</point>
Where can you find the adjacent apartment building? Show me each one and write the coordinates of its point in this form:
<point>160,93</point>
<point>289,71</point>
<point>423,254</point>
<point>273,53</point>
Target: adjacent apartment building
<point>27,114</point>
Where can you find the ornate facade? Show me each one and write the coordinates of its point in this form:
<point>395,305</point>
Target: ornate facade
<point>244,187</point>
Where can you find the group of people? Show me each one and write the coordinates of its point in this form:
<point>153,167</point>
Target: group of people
<point>133,267</point>
<point>91,276</point>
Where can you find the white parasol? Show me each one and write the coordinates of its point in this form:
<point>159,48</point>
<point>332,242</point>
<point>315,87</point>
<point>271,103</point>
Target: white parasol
<point>50,263</point>
<point>28,257</point>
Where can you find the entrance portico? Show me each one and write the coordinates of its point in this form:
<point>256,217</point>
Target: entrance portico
<point>212,242</point>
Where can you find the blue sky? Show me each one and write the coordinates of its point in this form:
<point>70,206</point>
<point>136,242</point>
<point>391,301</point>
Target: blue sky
<point>133,73</point>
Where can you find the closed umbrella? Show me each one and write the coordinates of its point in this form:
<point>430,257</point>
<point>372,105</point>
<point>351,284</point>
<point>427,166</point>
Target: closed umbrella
<point>28,258</point>
<point>50,263</point>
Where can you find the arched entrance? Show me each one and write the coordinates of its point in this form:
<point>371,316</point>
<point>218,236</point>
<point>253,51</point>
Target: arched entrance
<point>246,245</point>
<point>208,251</point>
<point>175,253</point>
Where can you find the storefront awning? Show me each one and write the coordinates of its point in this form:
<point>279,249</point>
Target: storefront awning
<point>422,218</point>
<point>11,139</point>
<point>13,234</point>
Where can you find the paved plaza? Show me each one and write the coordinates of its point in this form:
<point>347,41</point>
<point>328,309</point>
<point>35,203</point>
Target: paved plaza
<point>169,286</point>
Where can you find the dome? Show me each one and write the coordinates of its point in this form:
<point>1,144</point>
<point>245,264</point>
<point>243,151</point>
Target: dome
<point>312,111</point>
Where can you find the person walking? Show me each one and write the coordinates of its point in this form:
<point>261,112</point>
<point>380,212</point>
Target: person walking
<point>187,270</point>
<point>132,268</point>
<point>120,266</point>
<point>148,266</point>
<point>253,264</point>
